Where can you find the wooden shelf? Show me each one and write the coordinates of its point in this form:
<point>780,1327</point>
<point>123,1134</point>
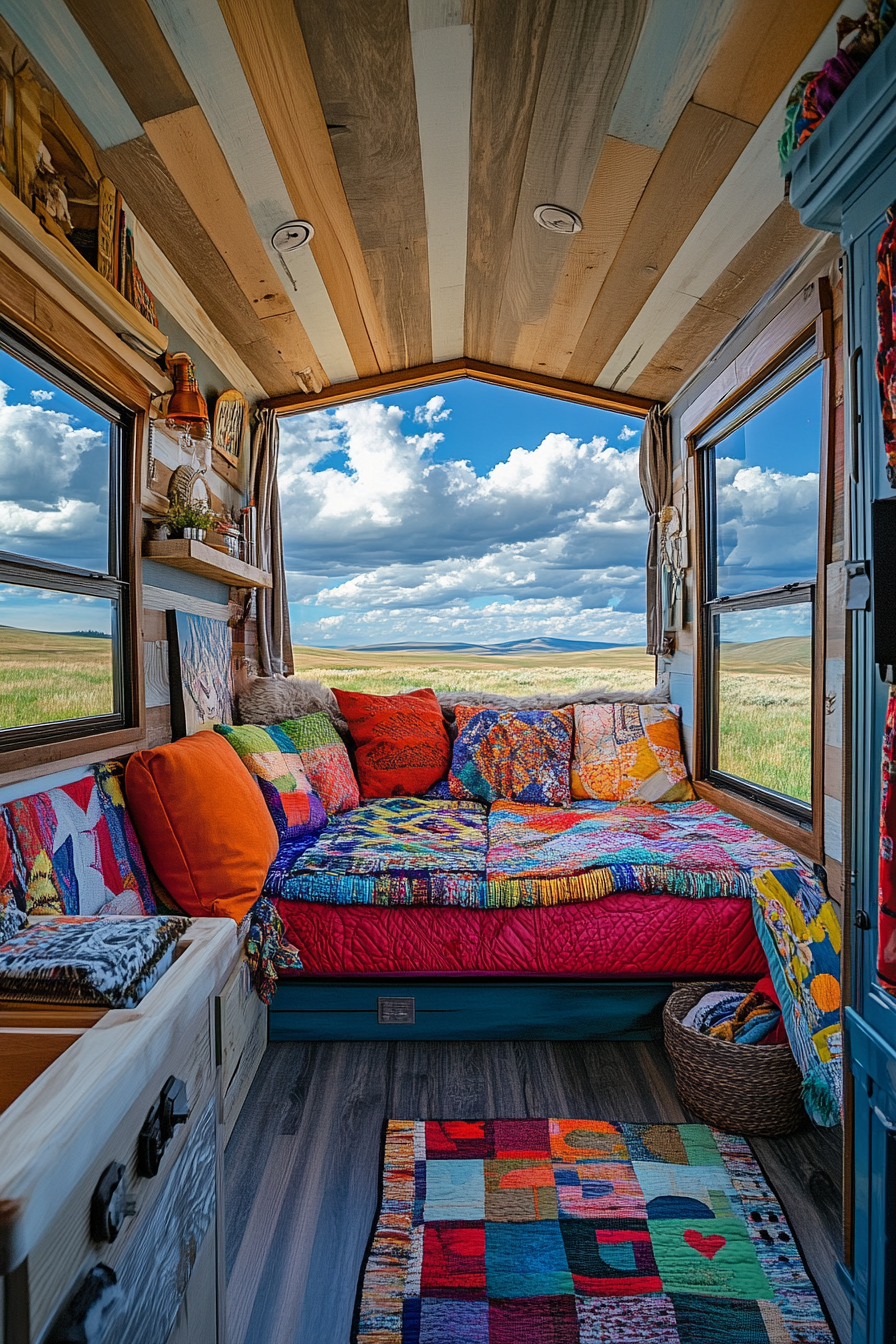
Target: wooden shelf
<point>198,558</point>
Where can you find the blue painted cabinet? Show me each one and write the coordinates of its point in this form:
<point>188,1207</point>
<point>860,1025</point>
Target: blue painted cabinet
<point>844,178</point>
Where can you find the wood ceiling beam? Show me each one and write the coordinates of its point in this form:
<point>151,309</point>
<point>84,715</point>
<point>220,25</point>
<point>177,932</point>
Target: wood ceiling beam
<point>363,68</point>
<point>509,44</point>
<point>159,204</point>
<point>778,244</point>
<point>450,371</point>
<point>698,157</point>
<point>589,50</point>
<point>131,46</point>
<point>196,162</point>
<point>273,55</point>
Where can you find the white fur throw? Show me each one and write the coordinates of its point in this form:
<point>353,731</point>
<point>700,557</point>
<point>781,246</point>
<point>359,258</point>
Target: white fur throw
<point>272,699</point>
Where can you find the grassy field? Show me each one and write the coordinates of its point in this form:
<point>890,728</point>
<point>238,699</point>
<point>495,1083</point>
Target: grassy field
<point>765,689</point>
<point>46,678</point>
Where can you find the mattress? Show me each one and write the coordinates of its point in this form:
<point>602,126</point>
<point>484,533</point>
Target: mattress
<point>626,935</point>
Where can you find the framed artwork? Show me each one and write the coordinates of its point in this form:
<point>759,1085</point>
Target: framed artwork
<point>199,658</point>
<point>231,420</point>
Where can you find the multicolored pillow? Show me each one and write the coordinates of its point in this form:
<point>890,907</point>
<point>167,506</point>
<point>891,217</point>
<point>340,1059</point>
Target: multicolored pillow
<point>78,851</point>
<point>519,755</point>
<point>269,755</point>
<point>626,752</point>
<point>401,743</point>
<point>325,759</point>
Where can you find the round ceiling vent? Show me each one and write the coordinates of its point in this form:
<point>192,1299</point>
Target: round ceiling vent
<point>558,219</point>
<point>292,235</point>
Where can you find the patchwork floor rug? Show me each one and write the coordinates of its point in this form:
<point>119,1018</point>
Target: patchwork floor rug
<point>580,1232</point>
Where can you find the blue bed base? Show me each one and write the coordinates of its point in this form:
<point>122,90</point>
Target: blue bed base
<point>466,1009</point>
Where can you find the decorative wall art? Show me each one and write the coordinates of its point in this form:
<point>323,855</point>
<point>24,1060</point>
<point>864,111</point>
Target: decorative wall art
<point>200,672</point>
<point>231,422</point>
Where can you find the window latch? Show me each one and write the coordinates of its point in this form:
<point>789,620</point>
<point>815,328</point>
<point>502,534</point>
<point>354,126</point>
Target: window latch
<point>858,585</point>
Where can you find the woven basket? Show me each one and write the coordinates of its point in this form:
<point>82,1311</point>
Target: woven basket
<point>743,1089</point>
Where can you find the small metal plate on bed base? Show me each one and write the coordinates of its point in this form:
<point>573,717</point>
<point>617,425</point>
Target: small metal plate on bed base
<point>395,1012</point>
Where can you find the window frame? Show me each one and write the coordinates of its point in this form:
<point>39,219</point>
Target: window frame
<point>794,343</point>
<point>33,745</point>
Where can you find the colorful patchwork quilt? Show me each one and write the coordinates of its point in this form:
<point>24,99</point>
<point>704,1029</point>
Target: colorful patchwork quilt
<point>414,851</point>
<point>580,1232</point>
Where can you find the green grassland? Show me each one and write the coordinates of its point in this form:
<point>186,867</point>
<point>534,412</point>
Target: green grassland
<point>765,688</point>
<point>45,678</point>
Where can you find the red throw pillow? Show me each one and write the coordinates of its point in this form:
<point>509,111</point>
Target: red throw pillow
<point>401,744</point>
<point>203,823</point>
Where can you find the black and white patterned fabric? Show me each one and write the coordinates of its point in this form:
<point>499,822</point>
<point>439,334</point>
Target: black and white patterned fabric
<point>108,962</point>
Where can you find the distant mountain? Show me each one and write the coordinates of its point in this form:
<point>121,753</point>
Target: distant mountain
<point>510,646</point>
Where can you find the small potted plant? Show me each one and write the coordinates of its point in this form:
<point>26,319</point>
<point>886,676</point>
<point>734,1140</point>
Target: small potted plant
<point>190,521</point>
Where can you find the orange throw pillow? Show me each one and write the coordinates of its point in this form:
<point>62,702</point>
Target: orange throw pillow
<point>203,823</point>
<point>401,742</point>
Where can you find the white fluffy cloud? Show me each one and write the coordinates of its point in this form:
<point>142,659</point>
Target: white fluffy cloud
<point>384,542</point>
<point>53,482</point>
<point>627,433</point>
<point>431,412</point>
<point>42,394</point>
<point>767,525</point>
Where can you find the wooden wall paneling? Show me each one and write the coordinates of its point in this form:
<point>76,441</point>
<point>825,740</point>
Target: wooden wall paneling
<point>698,156</point>
<point>678,40</point>
<point>509,46</point>
<point>622,174</point>
<point>271,48</point>
<point>197,34</point>
<point>157,201</point>
<point>158,725</point>
<point>363,68</point>
<point>763,45</point>
<point>442,46</point>
<point>589,51</point>
<point>189,150</point>
<point>133,49</point>
<point>748,276</point>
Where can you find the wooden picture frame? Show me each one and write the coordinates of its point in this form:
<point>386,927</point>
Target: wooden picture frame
<point>200,674</point>
<point>230,424</point>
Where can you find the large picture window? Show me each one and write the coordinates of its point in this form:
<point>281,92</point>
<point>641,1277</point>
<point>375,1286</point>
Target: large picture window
<point>64,580</point>
<point>760,473</point>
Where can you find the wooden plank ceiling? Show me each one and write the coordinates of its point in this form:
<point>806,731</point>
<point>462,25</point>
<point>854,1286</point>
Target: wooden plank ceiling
<point>418,136</point>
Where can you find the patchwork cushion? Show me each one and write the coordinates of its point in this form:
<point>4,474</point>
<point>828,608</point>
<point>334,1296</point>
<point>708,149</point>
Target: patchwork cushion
<point>12,893</point>
<point>325,761</point>
<point>77,849</point>
<point>518,755</point>
<point>203,823</point>
<point>401,743</point>
<point>627,752</point>
<point>269,755</point>
<point>112,962</point>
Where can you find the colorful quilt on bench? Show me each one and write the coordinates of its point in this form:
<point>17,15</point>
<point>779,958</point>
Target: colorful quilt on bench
<point>412,851</point>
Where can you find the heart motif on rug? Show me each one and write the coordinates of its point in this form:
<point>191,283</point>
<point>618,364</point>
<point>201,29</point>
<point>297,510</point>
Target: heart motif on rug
<point>705,1246</point>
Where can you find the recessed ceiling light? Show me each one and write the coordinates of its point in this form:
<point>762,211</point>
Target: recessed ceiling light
<point>292,235</point>
<point>558,219</point>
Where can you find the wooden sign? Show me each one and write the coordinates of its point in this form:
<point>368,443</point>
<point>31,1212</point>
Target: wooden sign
<point>231,420</point>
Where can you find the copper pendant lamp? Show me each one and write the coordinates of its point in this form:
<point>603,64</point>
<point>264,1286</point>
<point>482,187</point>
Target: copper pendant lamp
<point>187,409</point>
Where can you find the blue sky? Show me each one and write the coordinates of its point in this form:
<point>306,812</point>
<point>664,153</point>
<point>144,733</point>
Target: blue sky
<point>54,495</point>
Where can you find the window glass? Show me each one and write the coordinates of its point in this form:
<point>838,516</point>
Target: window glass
<point>55,457</point>
<point>764,678</point>
<point>56,656</point>
<point>766,486</point>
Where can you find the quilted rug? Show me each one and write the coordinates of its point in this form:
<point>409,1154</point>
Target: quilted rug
<point>580,1232</point>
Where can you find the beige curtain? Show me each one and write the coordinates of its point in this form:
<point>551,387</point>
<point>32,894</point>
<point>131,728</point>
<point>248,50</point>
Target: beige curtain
<point>655,469</point>
<point>274,640</point>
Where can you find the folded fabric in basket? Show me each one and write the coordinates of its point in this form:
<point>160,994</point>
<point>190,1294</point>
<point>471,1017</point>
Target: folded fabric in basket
<point>733,1015</point>
<point>110,963</point>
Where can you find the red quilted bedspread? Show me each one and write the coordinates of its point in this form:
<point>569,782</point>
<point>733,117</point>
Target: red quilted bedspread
<point>625,935</point>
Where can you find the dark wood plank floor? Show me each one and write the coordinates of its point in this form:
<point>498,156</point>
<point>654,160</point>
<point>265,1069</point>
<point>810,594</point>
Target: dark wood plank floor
<point>302,1166</point>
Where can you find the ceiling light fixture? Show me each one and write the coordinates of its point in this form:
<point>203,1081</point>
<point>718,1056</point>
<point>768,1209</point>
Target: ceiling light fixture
<point>289,237</point>
<point>557,219</point>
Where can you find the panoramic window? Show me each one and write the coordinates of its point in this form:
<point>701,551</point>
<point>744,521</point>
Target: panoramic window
<point>465,536</point>
<point>760,471</point>
<point>63,575</point>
